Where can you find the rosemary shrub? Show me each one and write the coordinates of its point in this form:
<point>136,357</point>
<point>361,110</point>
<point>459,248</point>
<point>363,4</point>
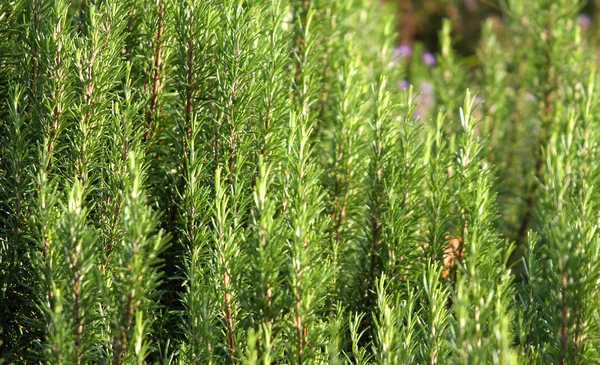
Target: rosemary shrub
<point>251,181</point>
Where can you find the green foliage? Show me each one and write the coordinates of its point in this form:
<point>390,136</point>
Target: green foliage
<point>245,182</point>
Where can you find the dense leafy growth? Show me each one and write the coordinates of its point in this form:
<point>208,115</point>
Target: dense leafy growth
<point>250,181</point>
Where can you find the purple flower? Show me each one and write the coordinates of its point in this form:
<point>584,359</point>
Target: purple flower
<point>403,84</point>
<point>427,100</point>
<point>403,51</point>
<point>428,59</point>
<point>585,21</point>
<point>426,88</point>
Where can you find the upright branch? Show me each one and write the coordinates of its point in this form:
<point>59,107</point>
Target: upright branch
<point>484,253</point>
<point>35,56</point>
<point>73,310</point>
<point>157,70</point>
<point>135,276</point>
<point>223,241</point>
<point>301,10</point>
<point>377,172</point>
<point>547,117</point>
<point>349,141</point>
<point>189,102</point>
<point>56,97</point>
<point>59,72</point>
<point>303,193</point>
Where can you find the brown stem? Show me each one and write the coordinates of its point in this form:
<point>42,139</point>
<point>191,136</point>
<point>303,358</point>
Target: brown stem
<point>299,328</point>
<point>82,172</point>
<point>52,134</point>
<point>156,70</point>
<point>228,316</point>
<point>121,340</point>
<point>35,56</point>
<point>300,43</point>
<point>340,219</point>
<point>189,86</point>
<point>57,63</point>
<point>123,337</point>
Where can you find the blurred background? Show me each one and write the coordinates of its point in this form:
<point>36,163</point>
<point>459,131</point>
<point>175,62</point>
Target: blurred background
<point>420,21</point>
<point>418,48</point>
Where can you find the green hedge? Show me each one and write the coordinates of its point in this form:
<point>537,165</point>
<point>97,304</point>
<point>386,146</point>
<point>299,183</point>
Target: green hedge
<point>251,181</point>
